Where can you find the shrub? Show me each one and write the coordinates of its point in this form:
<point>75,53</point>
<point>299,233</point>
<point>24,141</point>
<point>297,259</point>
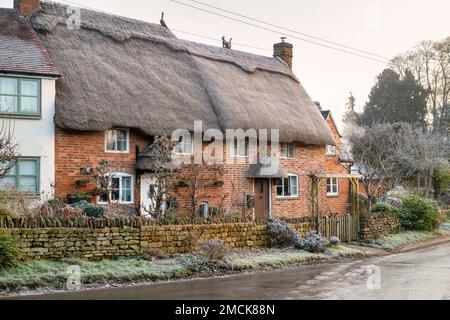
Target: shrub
<point>281,233</point>
<point>334,241</point>
<point>419,214</point>
<point>9,251</point>
<point>383,209</point>
<point>90,210</point>
<point>214,249</point>
<point>313,242</point>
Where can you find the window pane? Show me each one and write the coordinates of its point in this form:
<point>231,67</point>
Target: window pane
<point>8,104</point>
<point>27,184</point>
<point>111,139</point>
<point>103,198</point>
<point>115,195</point>
<point>9,181</point>
<point>293,185</point>
<point>28,104</point>
<point>280,191</point>
<point>12,171</point>
<point>126,183</point>
<point>115,183</point>
<point>291,149</point>
<point>121,145</point>
<point>8,86</point>
<point>29,88</point>
<point>28,167</point>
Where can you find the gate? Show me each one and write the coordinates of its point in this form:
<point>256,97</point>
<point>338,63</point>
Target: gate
<point>345,227</point>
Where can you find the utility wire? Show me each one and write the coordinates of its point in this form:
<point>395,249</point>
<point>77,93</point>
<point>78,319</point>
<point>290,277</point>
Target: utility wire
<point>290,30</point>
<point>218,40</point>
<point>177,30</point>
<point>278,32</point>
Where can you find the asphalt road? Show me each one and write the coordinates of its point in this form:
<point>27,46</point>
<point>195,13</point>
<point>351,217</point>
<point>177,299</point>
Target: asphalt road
<point>421,274</point>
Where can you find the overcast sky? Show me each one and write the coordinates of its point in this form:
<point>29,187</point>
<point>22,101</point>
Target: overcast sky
<point>384,27</point>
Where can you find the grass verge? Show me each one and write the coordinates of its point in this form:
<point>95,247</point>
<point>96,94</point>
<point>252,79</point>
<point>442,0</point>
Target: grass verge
<point>52,275</point>
<point>394,241</point>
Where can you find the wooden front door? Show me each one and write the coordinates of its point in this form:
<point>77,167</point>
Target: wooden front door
<point>262,204</point>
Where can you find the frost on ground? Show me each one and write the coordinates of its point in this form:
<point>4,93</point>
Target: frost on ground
<point>52,275</point>
<point>393,241</point>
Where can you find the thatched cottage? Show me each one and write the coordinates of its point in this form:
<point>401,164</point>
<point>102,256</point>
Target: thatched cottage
<point>85,86</point>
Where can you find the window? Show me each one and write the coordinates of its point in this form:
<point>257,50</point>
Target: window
<point>24,176</point>
<point>120,189</point>
<point>332,187</point>
<point>241,147</point>
<point>184,145</point>
<point>287,187</point>
<point>20,96</point>
<point>287,150</point>
<point>331,150</point>
<point>117,140</point>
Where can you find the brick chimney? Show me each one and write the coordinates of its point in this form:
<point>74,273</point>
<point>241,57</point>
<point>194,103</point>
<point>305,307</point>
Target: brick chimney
<point>24,7</point>
<point>283,50</point>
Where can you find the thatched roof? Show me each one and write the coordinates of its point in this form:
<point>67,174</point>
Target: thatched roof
<point>21,50</point>
<point>123,72</point>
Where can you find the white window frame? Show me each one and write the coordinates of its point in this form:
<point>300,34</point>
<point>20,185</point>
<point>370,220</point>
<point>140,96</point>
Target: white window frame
<point>235,150</point>
<point>295,196</point>
<point>330,182</point>
<point>117,151</point>
<point>287,144</point>
<point>119,175</point>
<point>183,151</point>
<point>330,150</point>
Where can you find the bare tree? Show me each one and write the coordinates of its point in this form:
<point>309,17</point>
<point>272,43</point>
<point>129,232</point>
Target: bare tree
<point>8,148</point>
<point>103,176</point>
<point>372,152</point>
<point>420,154</point>
<point>429,62</point>
<point>161,171</point>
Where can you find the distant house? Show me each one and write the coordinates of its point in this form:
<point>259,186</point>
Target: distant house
<point>115,83</point>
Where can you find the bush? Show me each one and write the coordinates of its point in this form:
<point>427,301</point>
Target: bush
<point>417,213</point>
<point>313,242</point>
<point>9,251</point>
<point>334,241</point>
<point>282,234</point>
<point>90,210</point>
<point>214,249</point>
<point>383,209</point>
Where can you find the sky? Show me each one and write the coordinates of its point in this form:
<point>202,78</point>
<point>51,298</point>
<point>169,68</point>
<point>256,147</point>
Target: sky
<point>383,27</point>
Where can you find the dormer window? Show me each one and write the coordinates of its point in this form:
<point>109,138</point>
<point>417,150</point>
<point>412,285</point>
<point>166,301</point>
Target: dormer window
<point>117,140</point>
<point>331,150</point>
<point>20,96</point>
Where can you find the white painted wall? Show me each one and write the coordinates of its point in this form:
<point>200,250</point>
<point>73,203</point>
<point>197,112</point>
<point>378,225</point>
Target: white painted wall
<point>36,138</point>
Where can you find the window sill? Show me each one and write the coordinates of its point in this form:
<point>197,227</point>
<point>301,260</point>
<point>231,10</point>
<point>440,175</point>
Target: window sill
<point>287,198</point>
<point>21,116</point>
<point>117,152</point>
<point>333,195</point>
<point>287,158</point>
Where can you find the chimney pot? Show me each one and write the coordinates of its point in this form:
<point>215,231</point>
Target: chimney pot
<point>25,7</point>
<point>283,50</point>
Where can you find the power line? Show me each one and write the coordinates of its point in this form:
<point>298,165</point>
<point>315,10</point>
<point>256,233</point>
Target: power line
<point>215,39</point>
<point>277,32</point>
<point>290,30</point>
<point>177,30</point>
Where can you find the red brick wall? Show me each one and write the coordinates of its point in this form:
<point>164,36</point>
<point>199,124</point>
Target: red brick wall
<point>77,149</point>
<point>336,204</point>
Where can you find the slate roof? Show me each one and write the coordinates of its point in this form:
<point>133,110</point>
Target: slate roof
<point>22,51</point>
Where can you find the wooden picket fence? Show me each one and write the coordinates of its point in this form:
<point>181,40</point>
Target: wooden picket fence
<point>345,227</point>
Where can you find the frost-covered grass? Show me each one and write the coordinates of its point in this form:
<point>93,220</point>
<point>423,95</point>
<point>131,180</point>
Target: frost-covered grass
<point>392,241</point>
<point>282,258</point>
<point>51,275</point>
<point>445,225</point>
